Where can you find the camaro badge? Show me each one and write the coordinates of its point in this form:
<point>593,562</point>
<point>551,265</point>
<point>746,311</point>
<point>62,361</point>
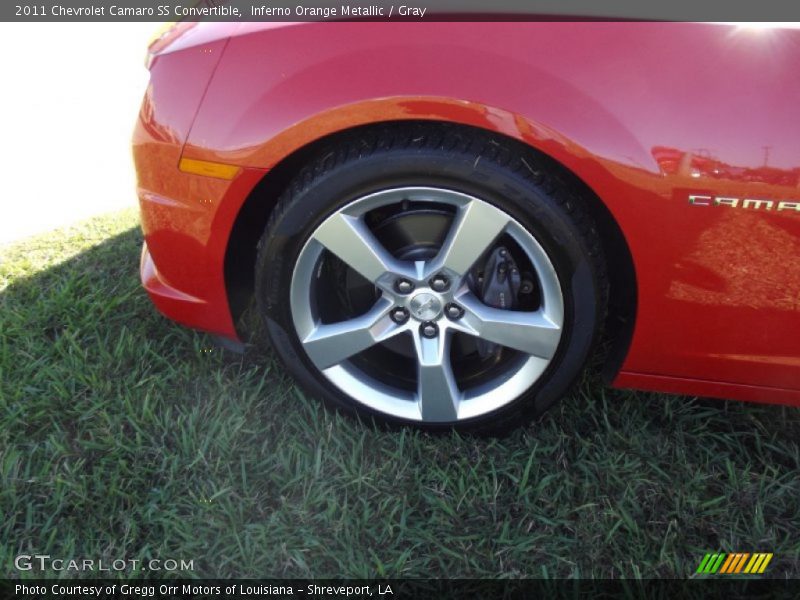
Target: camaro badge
<point>747,203</point>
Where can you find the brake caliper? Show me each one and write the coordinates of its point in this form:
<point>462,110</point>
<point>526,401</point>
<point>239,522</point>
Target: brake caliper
<point>499,288</point>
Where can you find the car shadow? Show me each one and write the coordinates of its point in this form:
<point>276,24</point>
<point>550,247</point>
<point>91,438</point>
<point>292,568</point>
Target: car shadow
<point>95,297</point>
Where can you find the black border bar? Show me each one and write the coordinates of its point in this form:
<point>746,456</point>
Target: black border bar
<point>416,589</point>
<point>434,10</point>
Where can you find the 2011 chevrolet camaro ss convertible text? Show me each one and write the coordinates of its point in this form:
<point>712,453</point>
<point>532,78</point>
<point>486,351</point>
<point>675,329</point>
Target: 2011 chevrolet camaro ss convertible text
<point>441,224</point>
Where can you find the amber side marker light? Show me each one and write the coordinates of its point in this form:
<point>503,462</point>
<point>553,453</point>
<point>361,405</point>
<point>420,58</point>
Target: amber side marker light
<point>208,169</point>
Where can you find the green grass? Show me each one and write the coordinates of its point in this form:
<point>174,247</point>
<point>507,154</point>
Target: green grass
<point>123,435</point>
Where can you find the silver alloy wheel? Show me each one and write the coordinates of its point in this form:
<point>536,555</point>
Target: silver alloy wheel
<point>438,398</point>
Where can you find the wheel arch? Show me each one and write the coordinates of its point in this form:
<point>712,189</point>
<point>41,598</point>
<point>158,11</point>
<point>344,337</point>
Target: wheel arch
<point>252,217</point>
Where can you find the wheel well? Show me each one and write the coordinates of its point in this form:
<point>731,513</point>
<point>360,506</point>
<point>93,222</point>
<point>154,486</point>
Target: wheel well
<point>252,219</point>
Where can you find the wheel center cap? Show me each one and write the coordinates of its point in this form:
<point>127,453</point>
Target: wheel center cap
<point>425,306</point>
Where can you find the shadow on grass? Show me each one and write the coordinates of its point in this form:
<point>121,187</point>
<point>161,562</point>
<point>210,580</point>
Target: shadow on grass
<point>123,435</point>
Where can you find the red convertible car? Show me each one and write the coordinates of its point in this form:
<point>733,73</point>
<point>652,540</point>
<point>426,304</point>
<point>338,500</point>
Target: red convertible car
<point>442,224</point>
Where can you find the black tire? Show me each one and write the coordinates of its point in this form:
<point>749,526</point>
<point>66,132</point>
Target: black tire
<point>522,183</point>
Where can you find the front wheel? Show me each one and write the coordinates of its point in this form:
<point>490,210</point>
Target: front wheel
<point>441,279</point>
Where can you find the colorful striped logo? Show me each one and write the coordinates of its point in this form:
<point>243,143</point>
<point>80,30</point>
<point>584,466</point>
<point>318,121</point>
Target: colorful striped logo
<point>734,563</point>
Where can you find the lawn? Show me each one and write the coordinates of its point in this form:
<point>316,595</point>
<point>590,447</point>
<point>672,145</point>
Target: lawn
<point>123,435</point>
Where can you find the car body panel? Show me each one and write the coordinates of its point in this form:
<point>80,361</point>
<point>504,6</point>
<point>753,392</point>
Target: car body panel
<point>177,209</point>
<point>646,114</point>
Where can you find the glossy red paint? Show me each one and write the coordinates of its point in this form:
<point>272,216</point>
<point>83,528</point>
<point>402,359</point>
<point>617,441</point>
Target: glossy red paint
<point>644,113</point>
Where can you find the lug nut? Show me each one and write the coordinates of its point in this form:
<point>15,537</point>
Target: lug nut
<point>454,311</point>
<point>404,286</point>
<point>429,330</point>
<point>439,283</point>
<point>399,315</point>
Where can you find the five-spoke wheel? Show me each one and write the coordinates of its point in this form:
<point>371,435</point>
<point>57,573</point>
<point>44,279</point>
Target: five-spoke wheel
<point>430,301</point>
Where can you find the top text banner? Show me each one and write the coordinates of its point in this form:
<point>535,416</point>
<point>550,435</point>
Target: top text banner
<point>415,10</point>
